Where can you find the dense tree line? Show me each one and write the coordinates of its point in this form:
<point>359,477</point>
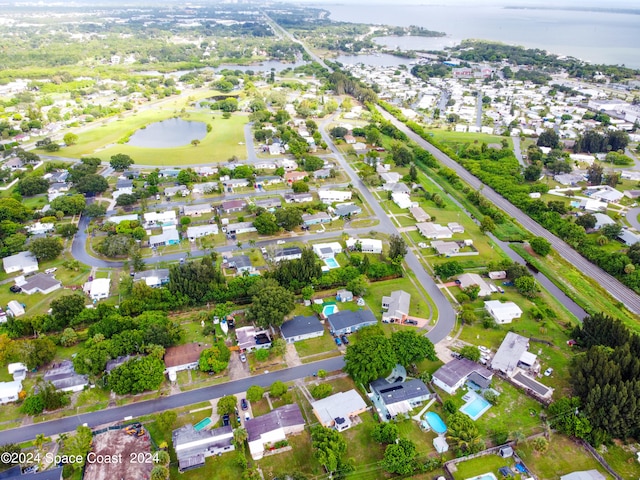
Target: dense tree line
<point>343,84</point>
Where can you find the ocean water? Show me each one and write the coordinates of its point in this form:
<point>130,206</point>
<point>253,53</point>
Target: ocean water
<point>594,36</point>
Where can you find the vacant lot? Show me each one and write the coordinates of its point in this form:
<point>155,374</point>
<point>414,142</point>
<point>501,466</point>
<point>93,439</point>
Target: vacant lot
<point>129,447</point>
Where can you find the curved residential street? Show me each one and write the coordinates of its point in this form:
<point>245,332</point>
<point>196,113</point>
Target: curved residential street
<point>632,217</point>
<point>615,288</point>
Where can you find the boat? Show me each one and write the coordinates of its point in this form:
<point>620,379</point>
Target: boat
<point>224,326</point>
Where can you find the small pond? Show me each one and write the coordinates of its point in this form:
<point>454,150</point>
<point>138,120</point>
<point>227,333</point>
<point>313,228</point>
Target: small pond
<point>174,132</point>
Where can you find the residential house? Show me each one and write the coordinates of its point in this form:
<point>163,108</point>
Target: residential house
<point>347,321</point>
<point>419,214</point>
<point>64,377</point>
<point>169,172</point>
<point>286,163</point>
<point>268,203</point>
<point>607,194</point>
<point>17,370</point>
<point>242,263</point>
<point>322,173</point>
<point>593,205</point>
<point>264,180</point>
<point>452,375</point>
<point>327,250</point>
<point>315,218</point>
<point>276,149</point>
<point>197,210</point>
<point>445,249</point>
<point>204,187</point>
<point>390,177</point>
<point>206,171</point>
<point>365,245</point>
<point>502,312</point>
<point>344,296</point>
<point>266,430</point>
<point>25,262</point>
<point>121,218</point>
<point>193,446</point>
<point>123,187</point>
<point>38,283</point>
<point>288,253</point>
<point>347,210</point>
<point>331,196</point>
<point>399,188</point>
<point>40,228</point>
<point>498,275</point>
<point>159,219</point>
<point>434,231</point>
<point>57,177</point>
<point>169,236</point>
<point>233,183</point>
<point>584,475</point>
<point>14,309</point>
<point>472,279</point>
<point>338,410</point>
<point>398,398</point>
<point>130,174</point>
<point>397,306</point>
<point>455,227</point>
<point>249,339</point>
<point>182,357</point>
<point>98,288</point>
<point>154,278</point>
<point>512,351</point>
<point>349,139</point>
<point>295,176</point>
<point>181,190</point>
<point>10,391</point>
<point>402,200</point>
<point>201,231</point>
<point>626,236</point>
<point>301,328</point>
<point>298,197</point>
<point>603,219</point>
<point>232,206</point>
<point>239,228</point>
<point>13,164</point>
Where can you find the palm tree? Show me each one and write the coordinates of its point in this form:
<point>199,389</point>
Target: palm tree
<point>240,435</point>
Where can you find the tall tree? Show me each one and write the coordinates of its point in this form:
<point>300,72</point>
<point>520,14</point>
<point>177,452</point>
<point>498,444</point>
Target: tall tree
<point>121,161</point>
<point>397,247</point>
<point>370,358</point>
<point>46,248</point>
<point>270,305</point>
<point>410,347</point>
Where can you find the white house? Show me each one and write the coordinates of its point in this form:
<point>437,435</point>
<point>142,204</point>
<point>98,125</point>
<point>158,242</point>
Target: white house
<point>452,375</point>
<point>197,210</point>
<point>15,308</point>
<point>445,249</point>
<point>331,196</point>
<point>64,377</point>
<point>327,250</point>
<point>502,312</point>
<point>205,187</point>
<point>18,370</point>
<point>10,391</point>
<point>201,231</point>
<point>39,228</point>
<point>169,236</point>
<point>123,187</point>
<point>434,231</point>
<point>287,253</point>
<point>301,328</point>
<point>239,228</point>
<point>472,279</point>
<point>193,446</point>
<point>153,278</point>
<point>121,218</point>
<point>338,410</point>
<point>402,200</point>
<point>419,214</point>
<point>266,430</point>
<point>153,219</point>
<point>181,190</point>
<point>396,305</point>
<point>98,288</point>
<point>367,245</point>
<point>23,261</point>
<point>38,283</point>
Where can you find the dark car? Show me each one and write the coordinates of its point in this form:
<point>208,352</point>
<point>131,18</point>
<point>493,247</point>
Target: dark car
<point>225,420</point>
<point>15,288</point>
<point>244,404</point>
<point>411,322</point>
<point>337,340</point>
<point>231,323</point>
<point>345,340</point>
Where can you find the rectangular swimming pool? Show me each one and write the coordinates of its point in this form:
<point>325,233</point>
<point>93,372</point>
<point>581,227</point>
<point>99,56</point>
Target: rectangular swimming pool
<point>476,407</point>
<point>484,476</point>
<point>331,262</point>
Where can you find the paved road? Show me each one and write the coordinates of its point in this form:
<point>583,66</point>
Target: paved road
<point>22,434</point>
<point>518,151</point>
<point>479,110</point>
<point>632,217</point>
<point>446,315</point>
<point>619,291</point>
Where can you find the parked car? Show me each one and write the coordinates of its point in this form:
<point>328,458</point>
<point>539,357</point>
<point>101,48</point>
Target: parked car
<point>345,340</point>
<point>548,372</point>
<point>483,349</point>
<point>15,288</point>
<point>263,250</point>
<point>338,342</point>
<point>280,242</point>
<point>411,322</point>
<point>244,404</point>
<point>247,416</point>
<point>243,357</point>
<point>225,420</point>
<point>50,270</point>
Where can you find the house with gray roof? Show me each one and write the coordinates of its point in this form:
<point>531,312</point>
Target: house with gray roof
<point>288,253</point>
<point>38,283</point>
<point>397,306</point>
<point>199,231</point>
<point>315,218</point>
<point>64,377</point>
<point>239,228</point>
<point>266,430</point>
<point>298,197</point>
<point>154,278</point>
<point>242,263</point>
<point>398,397</point>
<point>511,353</point>
<point>192,446</point>
<point>346,210</point>
<point>451,376</point>
<point>583,475</point>
<point>347,321</point>
<point>338,410</point>
<point>322,173</point>
<point>301,328</point>
<point>169,236</point>
<point>23,261</point>
<point>197,210</point>
<point>626,236</point>
<point>267,203</point>
<point>181,190</point>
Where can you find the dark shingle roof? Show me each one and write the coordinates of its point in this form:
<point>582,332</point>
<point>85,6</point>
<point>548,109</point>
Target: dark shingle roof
<point>452,372</point>
<point>300,326</point>
<point>347,318</point>
<point>285,416</point>
<point>391,393</point>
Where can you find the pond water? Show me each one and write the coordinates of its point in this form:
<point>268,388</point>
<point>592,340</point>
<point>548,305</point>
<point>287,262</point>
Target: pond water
<point>174,132</point>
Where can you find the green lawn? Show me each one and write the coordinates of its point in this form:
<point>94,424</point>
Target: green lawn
<point>564,456</point>
<point>480,465</point>
<point>316,345</point>
<point>223,467</point>
<point>622,458</point>
<point>299,459</point>
<point>375,292</point>
<point>363,450</point>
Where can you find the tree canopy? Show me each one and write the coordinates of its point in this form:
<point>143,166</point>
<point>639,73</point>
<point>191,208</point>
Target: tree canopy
<point>215,359</point>
<point>120,161</point>
<point>370,358</point>
<point>270,305</point>
<point>409,347</point>
<point>137,376</point>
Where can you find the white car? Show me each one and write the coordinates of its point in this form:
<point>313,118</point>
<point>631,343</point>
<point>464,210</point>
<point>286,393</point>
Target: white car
<point>280,242</point>
<point>50,270</point>
<point>422,245</point>
<point>548,372</point>
<point>484,349</point>
<point>243,357</point>
<point>263,250</point>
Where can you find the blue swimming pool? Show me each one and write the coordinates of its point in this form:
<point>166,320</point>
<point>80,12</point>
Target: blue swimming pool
<point>476,407</point>
<point>484,476</point>
<point>331,262</point>
<point>202,424</point>
<point>435,422</point>
<point>329,310</point>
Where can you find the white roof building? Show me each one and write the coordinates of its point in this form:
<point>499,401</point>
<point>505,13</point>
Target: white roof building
<point>337,410</point>
<point>15,308</point>
<point>327,250</point>
<point>160,218</point>
<point>402,200</point>
<point>367,245</point>
<point>396,305</point>
<point>331,196</point>
<point>9,391</point>
<point>434,231</point>
<point>98,288</point>
<point>23,261</point>
<point>38,228</point>
<point>502,312</point>
<point>471,279</point>
<point>201,231</point>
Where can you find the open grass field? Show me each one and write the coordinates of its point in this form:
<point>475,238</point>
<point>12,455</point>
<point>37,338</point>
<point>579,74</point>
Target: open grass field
<point>563,457</point>
<point>314,346</point>
<point>448,137</point>
<point>622,458</point>
<point>480,465</point>
<point>299,459</point>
